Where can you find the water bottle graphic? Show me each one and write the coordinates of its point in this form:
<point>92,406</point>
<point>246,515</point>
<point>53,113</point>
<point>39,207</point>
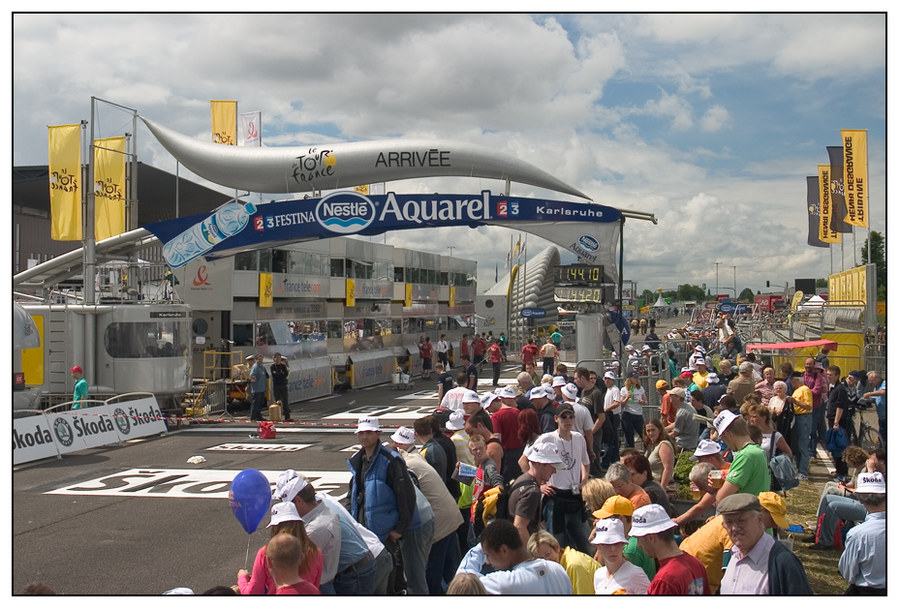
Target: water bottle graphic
<point>228,220</point>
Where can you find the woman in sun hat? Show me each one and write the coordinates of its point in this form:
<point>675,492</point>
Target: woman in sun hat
<point>618,576</point>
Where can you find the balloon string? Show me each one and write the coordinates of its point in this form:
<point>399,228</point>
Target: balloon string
<point>247,555</point>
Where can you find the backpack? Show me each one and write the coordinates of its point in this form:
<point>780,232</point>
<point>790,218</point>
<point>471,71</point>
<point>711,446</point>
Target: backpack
<point>496,500</point>
<point>783,474</point>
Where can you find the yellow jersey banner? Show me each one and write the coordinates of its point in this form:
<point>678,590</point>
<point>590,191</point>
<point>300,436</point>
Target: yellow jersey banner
<point>65,182</point>
<point>826,233</point>
<point>224,122</point>
<point>109,187</point>
<point>265,290</point>
<point>350,293</point>
<point>856,176</point>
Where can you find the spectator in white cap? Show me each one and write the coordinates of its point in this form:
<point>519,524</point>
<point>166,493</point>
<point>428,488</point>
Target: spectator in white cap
<point>705,506</point>
<point>284,519</point>
<point>743,385</point>
<point>697,354</point>
<point>618,575</point>
<point>700,375</point>
<point>679,573</point>
<point>444,553</point>
<point>471,403</point>
<point>525,493</point>
<point>505,423</point>
<point>714,391</point>
<point>834,508</point>
<point>612,408</point>
<point>686,429</point>
<point>557,385</point>
<point>759,563</point>
<point>545,408</point>
<point>382,496</point>
<point>863,562</point>
<point>490,402</point>
<point>584,423</point>
<point>322,524</point>
<point>749,471</point>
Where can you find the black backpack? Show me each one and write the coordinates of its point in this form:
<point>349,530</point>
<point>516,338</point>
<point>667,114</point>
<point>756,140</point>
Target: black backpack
<point>503,498</point>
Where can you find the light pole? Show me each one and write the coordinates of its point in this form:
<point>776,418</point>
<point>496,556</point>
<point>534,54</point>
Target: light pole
<point>717,280</point>
<point>734,280</point>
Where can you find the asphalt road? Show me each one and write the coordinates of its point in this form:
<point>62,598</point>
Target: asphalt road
<point>140,519</point>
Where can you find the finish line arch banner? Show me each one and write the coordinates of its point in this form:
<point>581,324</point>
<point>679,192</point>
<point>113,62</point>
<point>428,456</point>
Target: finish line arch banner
<point>588,230</point>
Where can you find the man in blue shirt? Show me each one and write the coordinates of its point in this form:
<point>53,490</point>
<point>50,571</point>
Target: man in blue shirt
<point>258,383</point>
<point>863,562</point>
<point>880,396</point>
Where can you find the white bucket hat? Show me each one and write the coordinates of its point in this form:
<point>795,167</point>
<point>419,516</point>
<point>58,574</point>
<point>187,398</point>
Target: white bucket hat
<point>706,448</point>
<point>559,381</point>
<point>488,398</point>
<point>283,512</point>
<point>470,396</point>
<point>456,421</point>
<point>570,391</point>
<point>871,482</point>
<point>650,519</point>
<point>403,435</point>
<point>544,451</point>
<point>508,392</point>
<point>608,531</point>
<point>288,484</point>
<point>367,424</point>
<point>723,420</point>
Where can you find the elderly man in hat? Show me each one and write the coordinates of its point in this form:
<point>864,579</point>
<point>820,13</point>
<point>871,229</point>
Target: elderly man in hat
<point>749,471</point>
<point>743,385</point>
<point>444,553</point>
<point>382,495</point>
<point>679,572</point>
<point>863,562</point>
<point>760,564</point>
<point>322,523</point>
<point>709,457</point>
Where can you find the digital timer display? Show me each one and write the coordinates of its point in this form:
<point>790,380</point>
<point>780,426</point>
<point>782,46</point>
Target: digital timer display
<point>578,274</point>
<point>577,294</point>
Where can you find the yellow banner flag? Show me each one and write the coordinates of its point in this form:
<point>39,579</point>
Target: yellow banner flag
<point>265,290</point>
<point>407,295</point>
<point>826,209</point>
<point>350,293</point>
<point>856,176</point>
<point>224,122</point>
<point>109,187</point>
<point>65,182</point>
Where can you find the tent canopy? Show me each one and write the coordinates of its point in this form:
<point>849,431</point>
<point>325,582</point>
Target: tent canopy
<point>832,346</point>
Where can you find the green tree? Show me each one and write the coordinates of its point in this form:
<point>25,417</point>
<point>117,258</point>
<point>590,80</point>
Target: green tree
<point>690,292</point>
<point>746,295</point>
<point>877,258</point>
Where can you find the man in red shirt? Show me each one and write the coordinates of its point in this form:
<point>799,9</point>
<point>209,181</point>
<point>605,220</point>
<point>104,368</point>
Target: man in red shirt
<point>679,573</point>
<point>496,358</point>
<point>506,425</point>
<point>529,353</point>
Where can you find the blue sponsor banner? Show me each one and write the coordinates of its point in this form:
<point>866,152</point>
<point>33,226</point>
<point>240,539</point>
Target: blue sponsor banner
<point>735,308</point>
<point>350,212</point>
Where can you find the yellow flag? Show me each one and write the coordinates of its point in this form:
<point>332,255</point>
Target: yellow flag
<point>350,293</point>
<point>452,301</point>
<point>65,182</point>
<point>856,176</point>
<point>362,189</point>
<point>265,290</point>
<point>109,187</point>
<point>224,122</point>
<point>826,209</point>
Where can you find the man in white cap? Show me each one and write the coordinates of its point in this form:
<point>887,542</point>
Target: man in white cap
<point>863,562</point>
<point>708,453</point>
<point>525,493</point>
<point>545,407</point>
<point>700,376</point>
<point>698,353</point>
<point>322,524</point>
<point>759,563</point>
<point>505,423</point>
<point>444,553</point>
<point>714,391</point>
<point>679,573</point>
<point>516,571</point>
<point>382,495</point>
<point>584,424</point>
<point>749,471</point>
<point>612,408</point>
<point>556,385</point>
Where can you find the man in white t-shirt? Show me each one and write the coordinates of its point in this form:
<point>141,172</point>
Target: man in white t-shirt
<point>563,508</point>
<point>612,407</point>
<point>516,571</point>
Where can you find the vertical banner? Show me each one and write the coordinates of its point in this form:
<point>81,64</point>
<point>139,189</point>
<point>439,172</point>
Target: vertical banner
<point>856,176</point>
<point>838,204</point>
<point>109,187</point>
<point>812,208</point>
<point>64,152</point>
<point>251,129</point>
<point>224,122</point>
<point>452,301</point>
<point>265,290</point>
<point>826,233</point>
<point>350,293</point>
<point>407,295</point>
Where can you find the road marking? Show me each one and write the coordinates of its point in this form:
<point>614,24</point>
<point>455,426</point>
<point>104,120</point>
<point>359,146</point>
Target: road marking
<point>260,447</point>
<point>191,483</point>
<point>390,413</point>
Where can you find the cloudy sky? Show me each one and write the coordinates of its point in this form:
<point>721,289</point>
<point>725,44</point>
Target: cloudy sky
<point>709,121</point>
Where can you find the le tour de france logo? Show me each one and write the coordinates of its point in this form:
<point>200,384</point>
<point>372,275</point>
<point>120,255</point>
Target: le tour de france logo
<point>345,212</point>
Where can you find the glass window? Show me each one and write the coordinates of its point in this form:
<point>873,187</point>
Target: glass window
<point>243,335</point>
<point>337,268</point>
<point>265,261</point>
<point>445,278</point>
<point>146,339</point>
<point>245,261</point>
<point>281,261</point>
<point>398,274</point>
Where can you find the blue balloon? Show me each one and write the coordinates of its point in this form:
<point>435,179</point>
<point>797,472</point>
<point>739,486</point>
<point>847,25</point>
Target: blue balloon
<point>249,497</point>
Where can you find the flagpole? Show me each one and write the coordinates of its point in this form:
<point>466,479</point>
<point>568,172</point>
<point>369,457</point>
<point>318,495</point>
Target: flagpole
<point>90,265</point>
